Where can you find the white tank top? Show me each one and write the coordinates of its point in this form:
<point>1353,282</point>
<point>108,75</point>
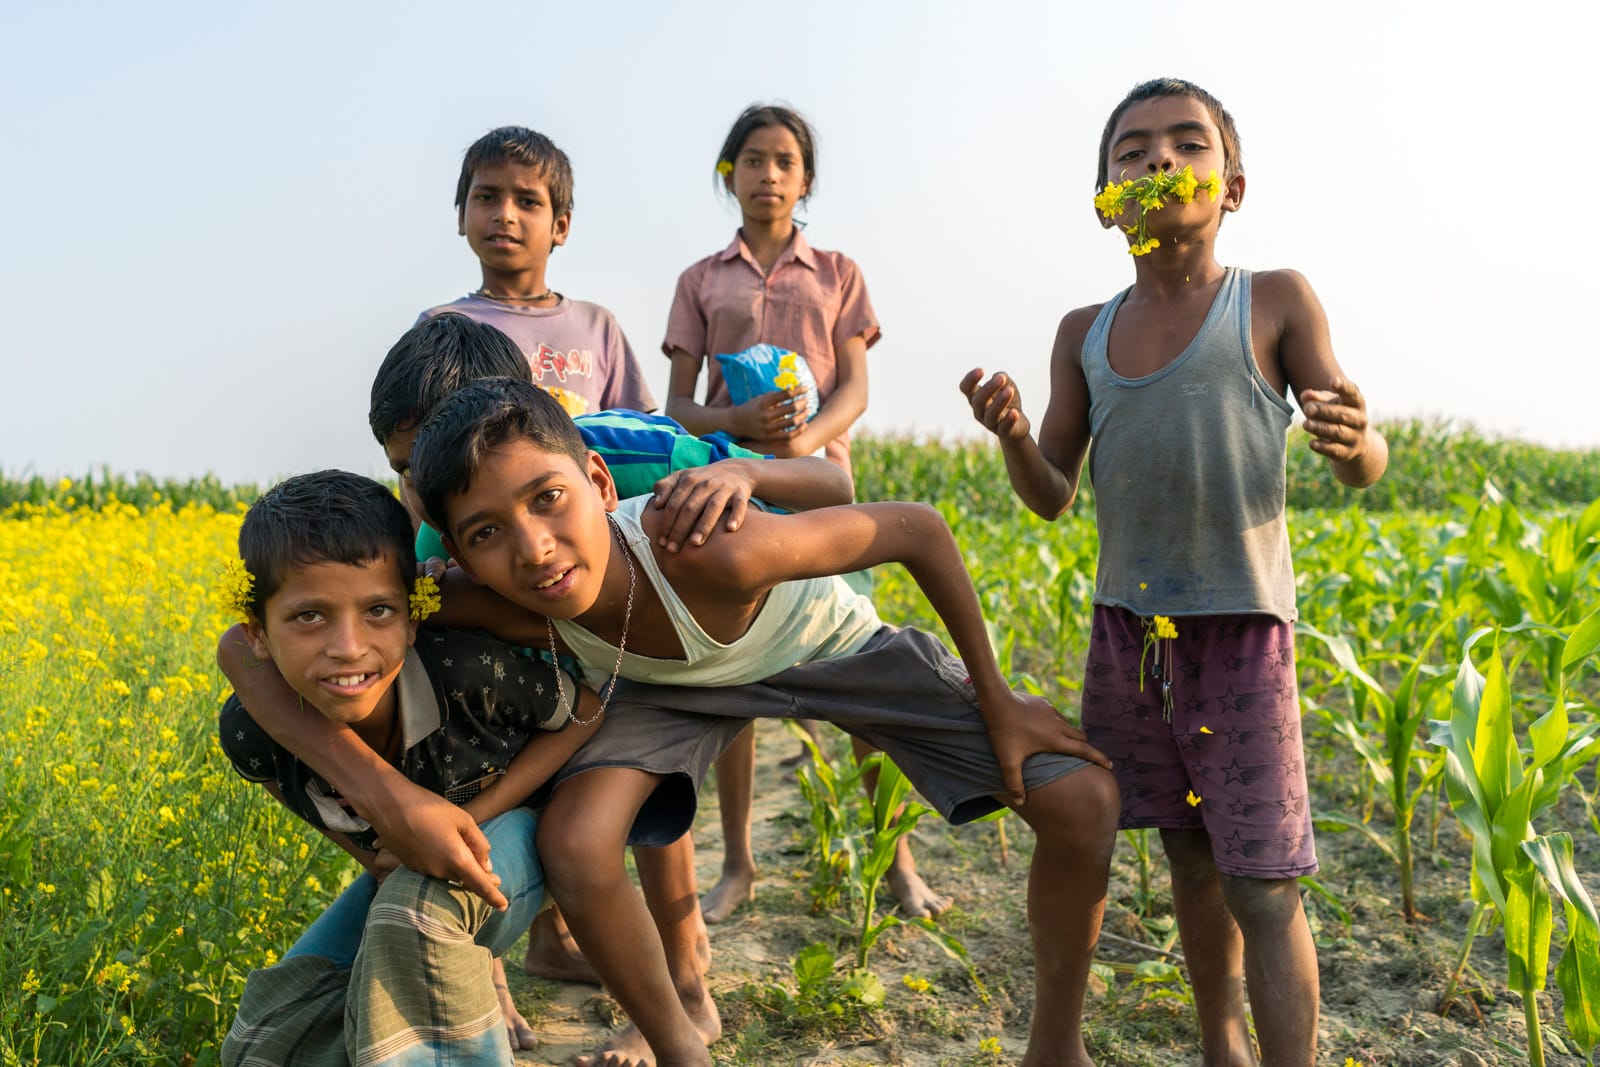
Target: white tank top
<point>811,619</point>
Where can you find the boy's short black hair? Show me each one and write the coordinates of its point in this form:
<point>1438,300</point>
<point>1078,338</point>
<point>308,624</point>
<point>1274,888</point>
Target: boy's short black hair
<point>1232,157</point>
<point>529,148</point>
<point>327,517</point>
<point>486,414</point>
<point>432,360</point>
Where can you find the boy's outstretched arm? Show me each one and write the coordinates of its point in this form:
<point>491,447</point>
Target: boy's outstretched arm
<point>697,497</point>
<point>777,548</point>
<point>1044,474</point>
<point>427,832</point>
<point>1335,410</point>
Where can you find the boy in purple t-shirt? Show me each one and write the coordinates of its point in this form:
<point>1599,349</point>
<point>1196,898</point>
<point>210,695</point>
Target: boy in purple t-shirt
<point>514,206</point>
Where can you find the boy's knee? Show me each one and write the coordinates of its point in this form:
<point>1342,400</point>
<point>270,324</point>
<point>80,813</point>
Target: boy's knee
<point>1263,903</point>
<point>432,907</point>
<point>573,854</point>
<point>1082,808</point>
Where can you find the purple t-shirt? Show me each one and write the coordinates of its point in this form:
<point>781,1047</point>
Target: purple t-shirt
<point>576,351</point>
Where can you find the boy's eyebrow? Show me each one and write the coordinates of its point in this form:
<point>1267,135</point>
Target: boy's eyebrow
<point>528,488</point>
<point>527,190</point>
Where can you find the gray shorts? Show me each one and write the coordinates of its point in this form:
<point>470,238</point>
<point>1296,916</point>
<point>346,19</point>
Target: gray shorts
<point>903,692</point>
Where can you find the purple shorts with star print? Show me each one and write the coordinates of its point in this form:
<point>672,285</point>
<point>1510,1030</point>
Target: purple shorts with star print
<point>1220,750</point>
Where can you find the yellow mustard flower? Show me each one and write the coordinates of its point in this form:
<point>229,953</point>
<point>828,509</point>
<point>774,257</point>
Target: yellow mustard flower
<point>236,588</point>
<point>1191,799</point>
<point>1164,627</point>
<point>724,167</point>
<point>424,598</point>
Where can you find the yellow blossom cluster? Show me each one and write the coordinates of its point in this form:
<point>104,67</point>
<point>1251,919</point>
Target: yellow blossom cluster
<point>1151,193</point>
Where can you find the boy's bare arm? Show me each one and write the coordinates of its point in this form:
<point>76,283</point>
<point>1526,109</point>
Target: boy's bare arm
<point>696,498</point>
<point>1335,410</point>
<point>426,831</point>
<point>538,760</point>
<point>1043,474</point>
<point>777,548</point>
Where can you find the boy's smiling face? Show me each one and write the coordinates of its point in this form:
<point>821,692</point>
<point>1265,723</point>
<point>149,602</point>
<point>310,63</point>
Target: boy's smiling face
<point>532,526</point>
<point>509,223</point>
<point>1168,133</point>
<point>338,633</point>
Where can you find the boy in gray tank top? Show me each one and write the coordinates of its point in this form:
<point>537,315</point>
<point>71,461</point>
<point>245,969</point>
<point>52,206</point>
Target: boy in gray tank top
<point>1179,382</point>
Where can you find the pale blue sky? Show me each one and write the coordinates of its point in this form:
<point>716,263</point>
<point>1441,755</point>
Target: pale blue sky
<point>215,219</point>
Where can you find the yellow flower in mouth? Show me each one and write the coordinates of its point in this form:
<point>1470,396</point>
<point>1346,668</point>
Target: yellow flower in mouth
<point>1212,185</point>
<point>1185,186</point>
<point>424,598</point>
<point>724,167</point>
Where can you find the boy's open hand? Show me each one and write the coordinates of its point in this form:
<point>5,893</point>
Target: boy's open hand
<point>696,498</point>
<point>1336,419</point>
<point>1021,725</point>
<point>779,413</point>
<point>996,403</point>
<point>434,837</point>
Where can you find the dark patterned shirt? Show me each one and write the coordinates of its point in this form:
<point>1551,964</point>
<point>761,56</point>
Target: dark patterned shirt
<point>467,705</point>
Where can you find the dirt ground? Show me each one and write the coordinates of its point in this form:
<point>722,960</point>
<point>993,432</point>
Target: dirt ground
<point>1381,978</point>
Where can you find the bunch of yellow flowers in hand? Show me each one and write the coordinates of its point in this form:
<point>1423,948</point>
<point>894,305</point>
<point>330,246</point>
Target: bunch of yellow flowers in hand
<point>787,378</point>
<point>1151,193</point>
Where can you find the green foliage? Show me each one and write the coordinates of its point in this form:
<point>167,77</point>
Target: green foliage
<point>97,489</point>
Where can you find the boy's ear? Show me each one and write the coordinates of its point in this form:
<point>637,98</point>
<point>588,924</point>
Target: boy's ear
<point>1233,193</point>
<point>256,635</point>
<point>600,478</point>
<point>560,228</point>
<point>461,221</point>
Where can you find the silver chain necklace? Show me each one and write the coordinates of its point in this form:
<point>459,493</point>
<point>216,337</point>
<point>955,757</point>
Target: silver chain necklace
<point>616,670</point>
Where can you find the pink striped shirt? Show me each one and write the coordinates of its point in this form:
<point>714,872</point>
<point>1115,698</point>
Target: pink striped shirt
<point>811,302</point>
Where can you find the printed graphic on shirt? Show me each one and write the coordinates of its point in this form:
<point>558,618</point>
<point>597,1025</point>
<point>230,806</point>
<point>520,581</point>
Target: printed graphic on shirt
<point>553,368</point>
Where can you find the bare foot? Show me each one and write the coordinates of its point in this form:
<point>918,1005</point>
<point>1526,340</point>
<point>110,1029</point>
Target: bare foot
<point>518,1032</point>
<point>553,954</point>
<point>629,1049</point>
<point>916,898</point>
<point>731,892</point>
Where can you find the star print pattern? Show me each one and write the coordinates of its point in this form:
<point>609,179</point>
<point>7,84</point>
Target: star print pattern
<point>480,718</point>
<point>1234,738</point>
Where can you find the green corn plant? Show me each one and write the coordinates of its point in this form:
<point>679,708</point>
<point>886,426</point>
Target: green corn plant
<point>1395,760</point>
<point>1497,791</point>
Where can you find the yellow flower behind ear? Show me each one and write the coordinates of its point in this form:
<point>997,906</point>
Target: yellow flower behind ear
<point>724,167</point>
<point>424,599</point>
<point>235,589</point>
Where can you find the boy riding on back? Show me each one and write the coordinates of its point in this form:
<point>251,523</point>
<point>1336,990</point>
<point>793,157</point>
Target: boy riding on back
<point>1180,383</point>
<point>398,970</point>
<point>514,207</point>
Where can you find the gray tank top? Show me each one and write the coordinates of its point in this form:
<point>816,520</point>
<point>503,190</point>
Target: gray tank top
<point>1188,472</point>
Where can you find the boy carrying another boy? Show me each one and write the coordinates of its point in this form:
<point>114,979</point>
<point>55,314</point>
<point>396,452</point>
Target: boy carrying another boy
<point>702,482</point>
<point>514,206</point>
<point>755,624</point>
<point>1190,689</point>
<point>398,970</point>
